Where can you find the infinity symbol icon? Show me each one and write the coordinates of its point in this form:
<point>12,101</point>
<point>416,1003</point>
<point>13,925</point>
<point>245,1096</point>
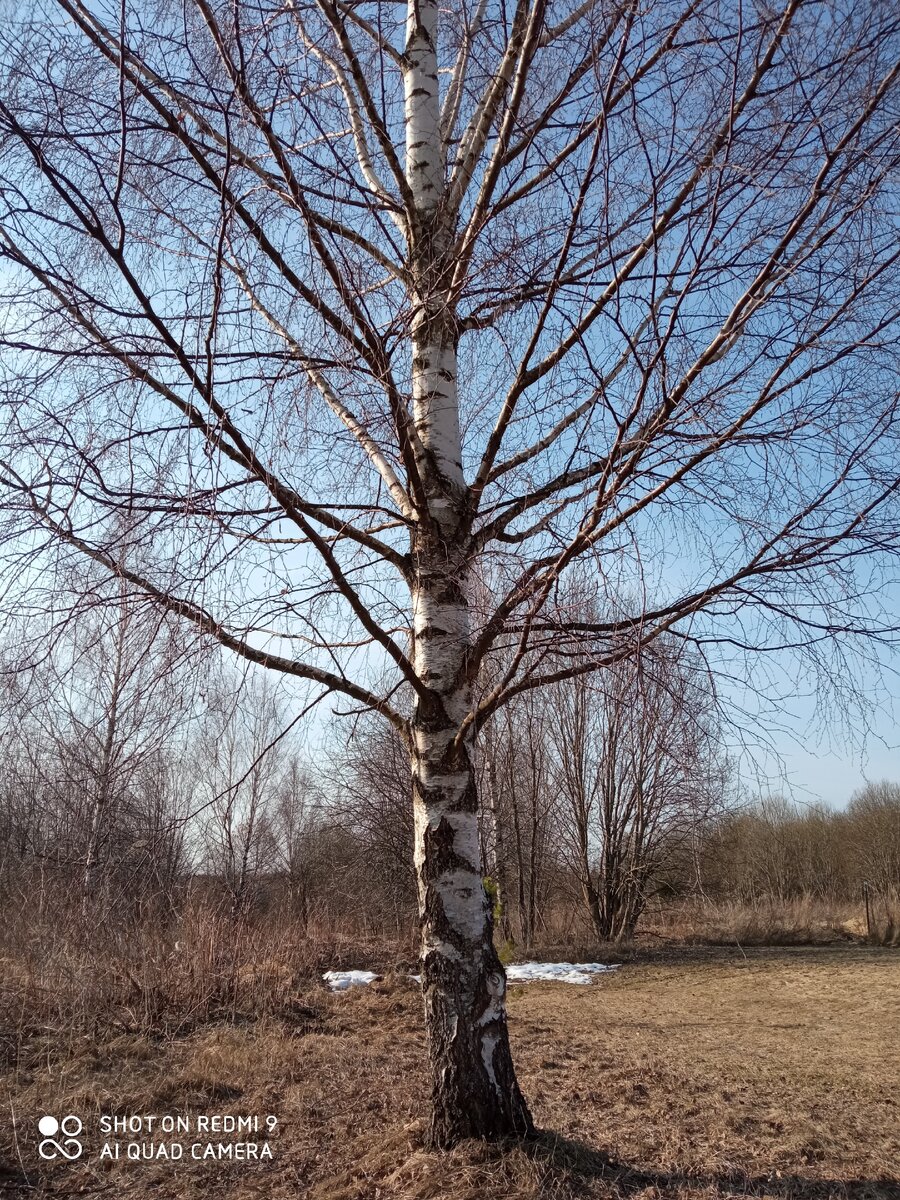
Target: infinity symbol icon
<point>70,1127</point>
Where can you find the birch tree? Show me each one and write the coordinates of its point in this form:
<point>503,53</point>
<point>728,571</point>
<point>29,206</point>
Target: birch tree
<point>378,318</point>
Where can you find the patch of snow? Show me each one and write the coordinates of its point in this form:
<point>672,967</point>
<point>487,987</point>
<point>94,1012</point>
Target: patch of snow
<point>561,972</point>
<point>527,972</point>
<point>339,981</point>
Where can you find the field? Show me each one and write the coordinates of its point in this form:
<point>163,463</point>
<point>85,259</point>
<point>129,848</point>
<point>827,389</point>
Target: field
<point>690,1073</point>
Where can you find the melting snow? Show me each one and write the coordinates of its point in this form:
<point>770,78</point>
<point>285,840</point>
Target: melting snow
<point>339,981</point>
<point>561,972</point>
<point>528,972</point>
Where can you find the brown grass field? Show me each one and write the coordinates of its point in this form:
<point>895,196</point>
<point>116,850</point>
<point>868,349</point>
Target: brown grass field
<point>690,1073</point>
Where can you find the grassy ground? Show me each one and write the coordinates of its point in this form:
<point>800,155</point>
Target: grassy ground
<point>697,1074</point>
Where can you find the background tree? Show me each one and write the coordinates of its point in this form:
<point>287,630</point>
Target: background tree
<point>525,807</point>
<point>94,716</point>
<point>639,773</point>
<point>246,777</point>
<point>874,813</point>
<point>371,794</point>
<point>297,809</point>
<point>352,307</point>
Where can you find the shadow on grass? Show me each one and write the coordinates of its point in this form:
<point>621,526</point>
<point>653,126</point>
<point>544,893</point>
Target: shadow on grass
<point>577,1163</point>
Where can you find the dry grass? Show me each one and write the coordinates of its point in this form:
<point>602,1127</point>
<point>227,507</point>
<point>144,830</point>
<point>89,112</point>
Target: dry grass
<point>803,921</point>
<point>86,975</point>
<point>703,1073</point>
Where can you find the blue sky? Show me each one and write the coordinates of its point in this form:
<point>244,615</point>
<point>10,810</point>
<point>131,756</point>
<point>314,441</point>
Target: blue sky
<point>821,769</point>
<point>822,746</point>
<point>814,771</point>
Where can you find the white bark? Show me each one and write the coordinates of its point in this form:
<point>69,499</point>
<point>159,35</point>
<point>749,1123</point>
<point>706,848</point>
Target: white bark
<point>424,165</point>
<point>435,400</point>
<point>474,1088</point>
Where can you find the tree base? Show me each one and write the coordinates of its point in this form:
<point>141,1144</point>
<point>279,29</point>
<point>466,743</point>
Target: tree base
<point>449,1129</point>
<point>475,1093</point>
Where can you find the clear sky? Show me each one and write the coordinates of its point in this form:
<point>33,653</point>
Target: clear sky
<point>818,773</point>
<point>824,748</point>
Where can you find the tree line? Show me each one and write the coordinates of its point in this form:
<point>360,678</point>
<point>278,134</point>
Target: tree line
<point>138,773</point>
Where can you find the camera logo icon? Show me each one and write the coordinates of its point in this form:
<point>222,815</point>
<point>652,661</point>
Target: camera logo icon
<point>69,1146</point>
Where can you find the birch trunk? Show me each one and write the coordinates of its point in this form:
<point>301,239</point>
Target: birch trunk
<point>474,1087</point>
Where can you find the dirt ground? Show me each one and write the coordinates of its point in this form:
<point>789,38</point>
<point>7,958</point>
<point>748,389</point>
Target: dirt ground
<point>772,1073</point>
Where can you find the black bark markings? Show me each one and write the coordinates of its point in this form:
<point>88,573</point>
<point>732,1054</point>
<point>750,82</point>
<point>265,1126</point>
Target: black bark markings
<point>440,853</point>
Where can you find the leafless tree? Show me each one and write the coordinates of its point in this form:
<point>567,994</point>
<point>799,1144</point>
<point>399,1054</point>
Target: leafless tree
<point>875,835</point>
<point>371,795</point>
<point>243,784</point>
<point>774,850</point>
<point>297,807</point>
<point>351,306</point>
<point>522,808</point>
<point>639,771</point>
<point>91,721</point>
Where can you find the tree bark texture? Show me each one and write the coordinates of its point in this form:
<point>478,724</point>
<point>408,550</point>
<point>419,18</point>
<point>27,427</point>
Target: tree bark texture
<point>474,1087</point>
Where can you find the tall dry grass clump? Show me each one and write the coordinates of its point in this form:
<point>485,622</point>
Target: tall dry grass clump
<point>71,969</point>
